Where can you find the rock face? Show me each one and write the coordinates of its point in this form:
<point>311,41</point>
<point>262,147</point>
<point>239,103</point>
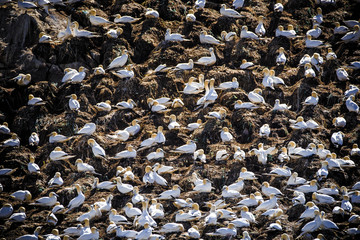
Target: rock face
<point>21,52</point>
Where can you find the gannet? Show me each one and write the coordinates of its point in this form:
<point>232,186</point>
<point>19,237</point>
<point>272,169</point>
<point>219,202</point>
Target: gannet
<point>329,191</point>
<point>129,104</point>
<point>67,33</point>
<point>108,185</point>
<point>177,103</point>
<point>354,65</point>
<point>322,198</point>
<point>172,227</point>
<point>26,5</point>
<point>208,39</point>
<point>228,36</point>
<point>323,171</point>
<point>119,61</point>
<point>247,34</point>
<point>83,33</point>
<point>351,105</point>
<point>330,54</point>
<point>34,236</point>
<point>190,17</point>
<point>94,212</point>
<point>125,19</point>
<point>84,167</point>
<point>297,124</point>
<point>315,32</point>
<point>195,125</point>
<point>58,208</point>
<point>222,155</point>
<point>337,138</point>
<point>149,141</point>
<point>306,188</point>
<point>129,153</point>
<point>160,137</point>
<point>121,233</point>
<point>255,96</point>
<point>199,154</point>
<point>295,180</point>
<point>239,154</point>
<point>305,59</point>
<point>56,180</point>
<point>176,37</point>
<point>249,202</point>
<point>299,198</point>
<point>247,215</point>
<point>97,150</point>
<point>244,105</point>
<point>184,66</point>
<point>355,150</point>
<point>322,152</point>
<point>264,130</point>
<point>94,234</point>
<point>268,204</point>
<point>19,216</point>
<point>151,13</point>
<point>316,61</point>
<point>228,12</point>
<point>327,224</point>
<point>229,85</point>
<point>125,73</point>
<point>207,61</point>
<point>123,188</point>
<point>96,20</point>
<point>285,33</point>
<point>112,33</point>
<point>355,198</point>
<point>35,101</point>
<point>73,102</point>
<point>247,175</point>
<point>204,186</point>
<point>169,194</point>
<point>309,212</point>
<point>340,29</point>
<point>352,36</point>
<point>156,210</point>
<point>181,203</point>
<point>58,154</point>
<point>260,29</point>
<point>87,129</point>
<point>283,156</point>
<point>163,101</point>
<point>145,217</point>
<point>121,135</point>
<point>191,87</point>
<point>76,201</point>
<point>312,100</point>
<point>261,153</point>
<point>22,79</point>
<point>313,225</point>
<point>229,231</point>
<point>268,190</point>
<point>281,171</point>
<point>193,232</point>
<point>4,128</point>
<point>6,210</point>
<point>34,139</point>
<point>69,74</point>
<point>245,64</point>
<point>342,74</point>
<point>189,147</point>
<point>309,43</point>
<point>103,106</point>
<point>200,4</point>
<point>278,7</point>
<point>353,90</point>
<point>226,135</point>
<point>43,38</point>
<point>319,17</point>
<point>159,153</point>
<point>75,231</point>
<point>116,218</point>
<point>281,58</point>
<point>134,128</point>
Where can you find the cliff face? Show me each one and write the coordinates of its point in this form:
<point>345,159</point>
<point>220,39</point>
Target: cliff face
<point>20,52</point>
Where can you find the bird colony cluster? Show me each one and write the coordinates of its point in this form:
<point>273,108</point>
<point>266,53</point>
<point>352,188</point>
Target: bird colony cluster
<point>234,209</point>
